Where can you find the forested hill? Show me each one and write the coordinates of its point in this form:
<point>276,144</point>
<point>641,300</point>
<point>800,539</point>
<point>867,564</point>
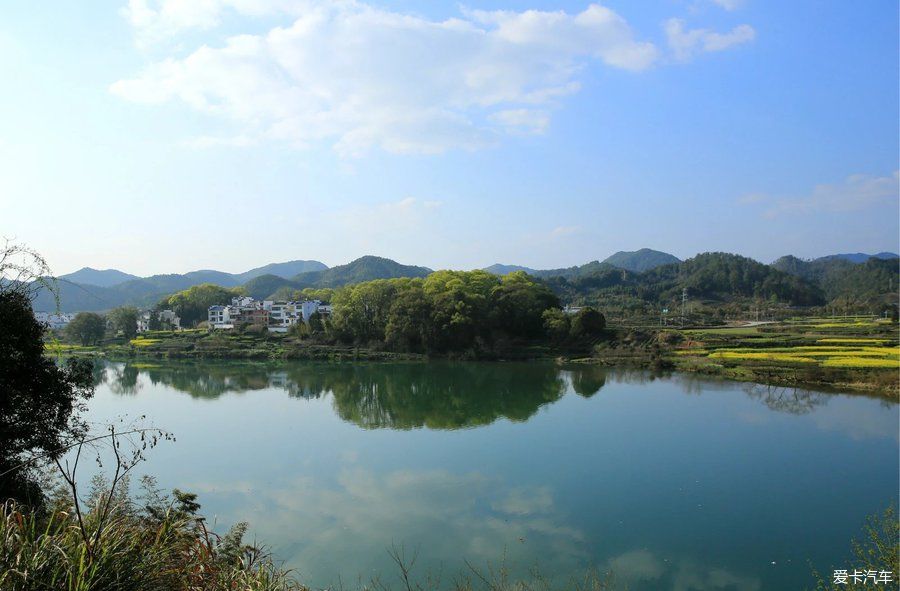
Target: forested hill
<point>713,277</point>
<point>641,260</point>
<point>91,290</point>
<point>99,277</point>
<point>839,278</point>
<point>636,261</point>
<point>718,277</point>
<point>362,269</point>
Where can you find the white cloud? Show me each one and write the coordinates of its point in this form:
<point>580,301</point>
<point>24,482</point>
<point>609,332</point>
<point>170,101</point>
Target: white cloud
<point>729,4</point>
<point>687,43</point>
<point>562,231</point>
<point>522,120</point>
<point>856,192</point>
<point>359,77</point>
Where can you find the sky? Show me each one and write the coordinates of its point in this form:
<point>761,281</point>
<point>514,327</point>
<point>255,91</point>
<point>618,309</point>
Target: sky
<point>163,136</point>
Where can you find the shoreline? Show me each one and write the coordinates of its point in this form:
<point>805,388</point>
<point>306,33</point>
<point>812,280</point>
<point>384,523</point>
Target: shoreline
<point>878,382</point>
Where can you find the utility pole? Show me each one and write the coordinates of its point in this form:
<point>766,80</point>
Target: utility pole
<point>683,304</point>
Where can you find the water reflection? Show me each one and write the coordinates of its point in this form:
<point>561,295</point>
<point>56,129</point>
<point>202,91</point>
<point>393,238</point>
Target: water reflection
<point>433,395</point>
<point>396,396</point>
<point>643,473</point>
<point>795,401</point>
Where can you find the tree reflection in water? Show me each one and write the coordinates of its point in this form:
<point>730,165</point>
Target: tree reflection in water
<point>436,395</point>
<point>795,401</point>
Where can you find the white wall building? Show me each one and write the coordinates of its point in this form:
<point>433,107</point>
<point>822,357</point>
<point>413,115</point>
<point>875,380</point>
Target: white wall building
<point>54,321</point>
<point>168,318</point>
<point>281,315</point>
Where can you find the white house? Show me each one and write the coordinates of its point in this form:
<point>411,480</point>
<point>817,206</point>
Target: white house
<point>54,321</point>
<point>279,316</point>
<point>166,317</point>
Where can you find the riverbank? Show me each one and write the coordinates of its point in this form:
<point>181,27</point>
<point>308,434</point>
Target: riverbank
<point>204,345</point>
<point>856,354</point>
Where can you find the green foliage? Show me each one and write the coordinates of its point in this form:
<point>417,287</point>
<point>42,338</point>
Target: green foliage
<point>126,545</point>
<point>124,319</point>
<point>718,278</point>
<point>556,324</point>
<point>641,260</point>
<point>587,323</point>
<point>86,328</point>
<point>363,269</point>
<point>40,399</point>
<point>517,305</point>
<point>878,551</point>
<point>852,287</point>
<point>192,304</point>
<point>264,286</point>
<point>447,311</point>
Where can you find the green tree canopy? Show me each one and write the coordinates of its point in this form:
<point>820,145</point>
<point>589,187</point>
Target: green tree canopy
<point>588,323</point>
<point>86,328</point>
<point>39,399</point>
<point>192,305</point>
<point>125,319</point>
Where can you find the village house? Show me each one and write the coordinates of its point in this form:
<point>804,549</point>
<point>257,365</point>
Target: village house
<point>53,320</point>
<point>277,316</point>
<point>168,320</point>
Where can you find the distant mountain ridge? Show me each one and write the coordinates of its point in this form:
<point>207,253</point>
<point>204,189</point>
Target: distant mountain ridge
<point>636,261</point>
<point>859,257</point>
<point>822,279</point>
<point>143,292</point>
<point>99,277</point>
<point>501,269</point>
<point>641,260</point>
<point>839,276</point>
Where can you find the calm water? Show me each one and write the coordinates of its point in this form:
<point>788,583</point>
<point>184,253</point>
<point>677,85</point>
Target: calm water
<point>673,482</point>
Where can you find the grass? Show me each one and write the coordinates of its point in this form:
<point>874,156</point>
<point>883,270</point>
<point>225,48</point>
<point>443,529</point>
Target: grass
<point>162,546</point>
<point>853,340</point>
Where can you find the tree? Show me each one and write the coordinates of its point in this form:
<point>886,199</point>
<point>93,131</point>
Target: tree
<point>86,328</point>
<point>517,305</point>
<point>556,324</point>
<point>192,305</point>
<point>588,323</point>
<point>39,399</point>
<point>409,322</point>
<point>125,319</point>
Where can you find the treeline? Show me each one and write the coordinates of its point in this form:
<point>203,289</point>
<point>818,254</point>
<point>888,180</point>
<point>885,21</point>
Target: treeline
<point>456,311</point>
<point>847,285</point>
<point>720,280</point>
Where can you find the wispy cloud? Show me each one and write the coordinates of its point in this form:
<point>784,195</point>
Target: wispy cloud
<point>563,231</point>
<point>856,192</point>
<point>359,76</point>
<point>686,43</point>
<point>729,4</point>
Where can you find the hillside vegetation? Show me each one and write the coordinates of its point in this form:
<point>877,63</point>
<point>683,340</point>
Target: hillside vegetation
<point>641,260</point>
<point>628,283</point>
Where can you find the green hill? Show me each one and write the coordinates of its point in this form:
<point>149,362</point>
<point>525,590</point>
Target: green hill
<point>866,283</point>
<point>641,260</point>
<point>362,269</point>
<point>711,277</point>
<point>98,277</point>
<point>501,269</point>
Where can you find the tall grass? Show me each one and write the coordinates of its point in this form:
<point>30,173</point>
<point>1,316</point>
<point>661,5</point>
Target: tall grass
<point>161,544</point>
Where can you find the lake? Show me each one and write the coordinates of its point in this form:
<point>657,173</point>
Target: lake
<point>672,481</point>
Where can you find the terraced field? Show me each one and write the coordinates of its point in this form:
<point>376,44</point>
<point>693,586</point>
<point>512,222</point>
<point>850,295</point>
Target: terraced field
<point>864,348</point>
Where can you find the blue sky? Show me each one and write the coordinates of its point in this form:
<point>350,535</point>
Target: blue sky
<point>166,136</point>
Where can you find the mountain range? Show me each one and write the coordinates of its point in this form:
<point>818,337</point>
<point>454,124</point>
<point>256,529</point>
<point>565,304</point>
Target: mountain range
<point>839,275</point>
<point>636,261</point>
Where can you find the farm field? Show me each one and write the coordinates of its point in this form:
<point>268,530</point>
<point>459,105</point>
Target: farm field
<point>852,350</point>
